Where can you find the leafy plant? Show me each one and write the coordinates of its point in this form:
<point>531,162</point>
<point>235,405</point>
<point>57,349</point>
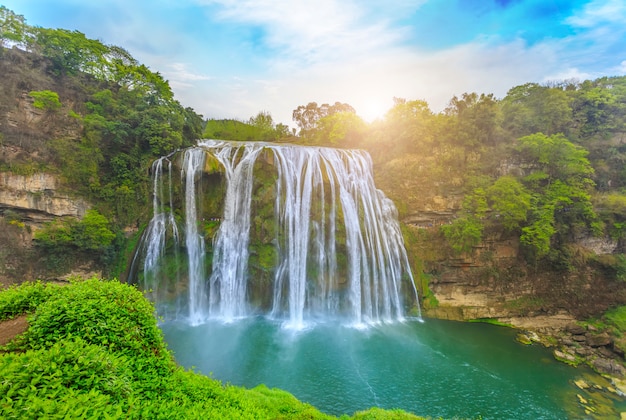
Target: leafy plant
<point>92,233</point>
<point>463,234</point>
<point>24,298</point>
<point>45,99</point>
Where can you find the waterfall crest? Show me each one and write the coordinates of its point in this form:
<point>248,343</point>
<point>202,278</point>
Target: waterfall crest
<point>303,234</point>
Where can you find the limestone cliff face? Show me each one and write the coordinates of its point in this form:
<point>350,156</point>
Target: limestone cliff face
<point>37,197</point>
<point>27,201</point>
<point>494,281</point>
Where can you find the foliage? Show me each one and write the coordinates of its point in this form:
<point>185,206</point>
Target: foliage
<point>559,183</point>
<point>308,116</point>
<point>130,118</point>
<point>63,242</point>
<point>617,317</point>
<point>94,350</point>
<point>258,128</point>
<point>612,208</point>
<point>409,127</point>
<point>340,129</point>
<point>614,264</point>
<point>463,234</point>
<point>24,298</point>
<point>510,201</point>
<point>45,99</point>
<point>13,28</point>
<point>429,300</point>
<point>92,233</point>
<point>533,108</point>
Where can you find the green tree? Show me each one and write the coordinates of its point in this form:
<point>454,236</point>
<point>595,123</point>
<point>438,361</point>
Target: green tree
<point>340,129</point>
<point>263,121</point>
<point>559,182</point>
<point>510,201</point>
<point>13,28</point>
<point>307,116</point>
<point>477,119</point>
<point>91,233</point>
<point>464,233</point>
<point>408,127</point>
<point>71,51</point>
<point>557,158</point>
<point>533,108</point>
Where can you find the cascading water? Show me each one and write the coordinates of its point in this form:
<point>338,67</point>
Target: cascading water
<point>230,258</point>
<point>193,162</point>
<point>155,237</point>
<point>333,238</point>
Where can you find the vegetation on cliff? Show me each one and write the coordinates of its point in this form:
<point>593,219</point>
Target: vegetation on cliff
<point>93,350</point>
<point>99,120</point>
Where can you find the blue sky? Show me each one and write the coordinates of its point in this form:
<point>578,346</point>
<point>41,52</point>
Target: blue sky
<point>234,58</point>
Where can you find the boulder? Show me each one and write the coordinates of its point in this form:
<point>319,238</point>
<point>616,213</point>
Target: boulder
<point>575,329</point>
<point>565,357</point>
<point>599,340</point>
<point>608,366</point>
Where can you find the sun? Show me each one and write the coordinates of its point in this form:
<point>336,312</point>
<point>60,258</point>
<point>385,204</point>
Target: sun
<point>373,110</point>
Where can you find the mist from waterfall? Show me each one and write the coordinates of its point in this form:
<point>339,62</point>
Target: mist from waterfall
<point>338,245</point>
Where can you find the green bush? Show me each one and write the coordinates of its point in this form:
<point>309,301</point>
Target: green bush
<point>108,314</point>
<point>45,99</point>
<point>25,298</point>
<point>463,234</point>
<point>92,233</point>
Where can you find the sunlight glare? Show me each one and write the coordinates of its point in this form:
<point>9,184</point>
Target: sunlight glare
<point>373,110</point>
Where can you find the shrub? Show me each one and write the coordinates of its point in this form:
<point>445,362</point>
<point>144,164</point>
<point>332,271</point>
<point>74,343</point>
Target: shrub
<point>92,233</point>
<point>463,234</point>
<point>108,314</point>
<point>17,300</point>
<point>45,99</point>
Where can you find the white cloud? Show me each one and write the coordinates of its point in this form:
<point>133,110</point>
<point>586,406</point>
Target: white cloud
<point>304,32</point>
<point>350,51</point>
<point>600,12</point>
<point>180,76</point>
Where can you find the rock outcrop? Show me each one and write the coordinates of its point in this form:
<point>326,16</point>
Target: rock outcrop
<point>37,198</point>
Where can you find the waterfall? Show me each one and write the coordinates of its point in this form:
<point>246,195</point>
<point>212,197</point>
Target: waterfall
<point>230,258</point>
<point>193,163</point>
<point>154,239</point>
<point>333,239</point>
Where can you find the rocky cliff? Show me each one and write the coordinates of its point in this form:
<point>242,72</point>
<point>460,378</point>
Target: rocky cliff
<point>31,190</point>
<point>37,197</point>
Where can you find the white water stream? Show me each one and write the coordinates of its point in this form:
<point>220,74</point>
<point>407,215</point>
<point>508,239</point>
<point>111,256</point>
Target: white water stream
<point>327,210</point>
